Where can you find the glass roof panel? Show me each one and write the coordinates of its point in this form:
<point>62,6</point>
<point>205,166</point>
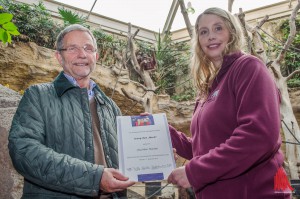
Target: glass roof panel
<point>152,14</point>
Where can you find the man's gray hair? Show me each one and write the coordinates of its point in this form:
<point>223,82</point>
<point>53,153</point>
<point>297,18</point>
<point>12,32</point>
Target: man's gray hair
<point>59,41</point>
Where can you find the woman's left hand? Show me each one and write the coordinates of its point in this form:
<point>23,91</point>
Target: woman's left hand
<point>178,177</point>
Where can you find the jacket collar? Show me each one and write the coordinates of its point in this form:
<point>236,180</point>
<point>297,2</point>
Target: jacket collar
<point>228,61</point>
<point>62,84</point>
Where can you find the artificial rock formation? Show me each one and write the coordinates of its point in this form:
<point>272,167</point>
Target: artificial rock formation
<point>10,182</point>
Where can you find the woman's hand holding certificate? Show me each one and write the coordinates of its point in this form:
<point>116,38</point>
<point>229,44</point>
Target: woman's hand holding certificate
<point>145,149</point>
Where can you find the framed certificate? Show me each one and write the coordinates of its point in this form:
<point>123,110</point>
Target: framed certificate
<point>144,147</point>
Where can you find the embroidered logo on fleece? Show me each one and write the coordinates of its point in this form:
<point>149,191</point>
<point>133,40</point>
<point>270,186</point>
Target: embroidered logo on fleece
<point>213,96</point>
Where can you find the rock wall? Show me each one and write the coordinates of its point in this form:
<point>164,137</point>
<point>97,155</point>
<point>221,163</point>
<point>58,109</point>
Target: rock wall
<point>10,181</point>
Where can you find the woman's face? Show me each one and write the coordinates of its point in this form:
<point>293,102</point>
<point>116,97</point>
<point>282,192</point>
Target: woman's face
<point>213,37</point>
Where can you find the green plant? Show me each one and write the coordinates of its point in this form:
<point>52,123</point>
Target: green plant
<point>70,17</point>
<point>292,83</point>
<point>187,94</point>
<point>292,57</point>
<point>107,44</point>
<point>172,62</point>
<point>7,28</point>
<point>33,21</point>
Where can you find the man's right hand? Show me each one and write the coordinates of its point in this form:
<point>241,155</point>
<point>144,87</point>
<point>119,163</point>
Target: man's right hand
<point>113,181</point>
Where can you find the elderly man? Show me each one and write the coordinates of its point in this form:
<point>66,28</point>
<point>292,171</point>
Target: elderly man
<point>63,137</point>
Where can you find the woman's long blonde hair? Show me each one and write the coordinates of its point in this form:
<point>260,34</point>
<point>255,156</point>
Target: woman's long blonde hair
<point>202,69</point>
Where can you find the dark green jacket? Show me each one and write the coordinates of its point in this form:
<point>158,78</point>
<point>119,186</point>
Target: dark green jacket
<point>51,140</point>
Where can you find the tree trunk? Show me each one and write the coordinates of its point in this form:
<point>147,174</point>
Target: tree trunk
<point>186,17</point>
<point>149,87</point>
<point>291,130</point>
<point>289,125</point>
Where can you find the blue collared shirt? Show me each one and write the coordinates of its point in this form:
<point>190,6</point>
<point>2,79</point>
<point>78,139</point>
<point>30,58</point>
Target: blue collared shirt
<point>74,82</point>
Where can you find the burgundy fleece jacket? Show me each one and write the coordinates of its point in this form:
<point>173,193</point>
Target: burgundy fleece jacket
<point>234,150</point>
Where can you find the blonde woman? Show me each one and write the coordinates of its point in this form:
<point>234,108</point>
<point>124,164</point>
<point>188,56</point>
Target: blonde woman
<point>234,150</point>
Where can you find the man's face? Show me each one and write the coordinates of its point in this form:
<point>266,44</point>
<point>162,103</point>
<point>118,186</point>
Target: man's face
<point>78,57</point>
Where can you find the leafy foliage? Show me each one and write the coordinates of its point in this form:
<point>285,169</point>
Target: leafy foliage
<point>33,21</point>
<point>294,82</point>
<point>7,28</point>
<point>292,58</point>
<point>106,45</point>
<point>70,17</point>
<point>172,62</point>
<point>172,67</point>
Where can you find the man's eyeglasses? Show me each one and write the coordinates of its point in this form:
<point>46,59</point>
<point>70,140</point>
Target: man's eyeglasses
<point>75,49</point>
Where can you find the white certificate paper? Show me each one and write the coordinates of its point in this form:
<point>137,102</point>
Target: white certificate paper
<point>144,147</point>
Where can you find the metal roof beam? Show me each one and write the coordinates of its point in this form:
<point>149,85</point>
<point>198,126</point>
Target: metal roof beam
<point>171,16</point>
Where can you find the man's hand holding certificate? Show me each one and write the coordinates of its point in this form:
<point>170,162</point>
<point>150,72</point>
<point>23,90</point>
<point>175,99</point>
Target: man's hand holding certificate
<point>145,149</point>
